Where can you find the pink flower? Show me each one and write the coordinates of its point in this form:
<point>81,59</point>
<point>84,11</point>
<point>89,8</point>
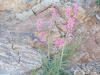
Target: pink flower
<point>39,24</point>
<point>35,40</point>
<point>53,12</point>
<point>42,39</point>
<point>59,42</point>
<point>42,33</point>
<point>68,10</point>
<point>50,27</point>
<point>75,6</point>
<point>39,21</point>
<point>75,9</point>
<point>70,25</point>
<point>71,22</point>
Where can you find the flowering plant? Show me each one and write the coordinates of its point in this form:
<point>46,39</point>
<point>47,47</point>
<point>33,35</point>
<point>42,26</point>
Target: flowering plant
<point>59,42</point>
<point>55,65</point>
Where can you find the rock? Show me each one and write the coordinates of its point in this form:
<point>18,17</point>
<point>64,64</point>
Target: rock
<point>16,47</point>
<point>98,16</point>
<point>55,35</point>
<point>92,46</point>
<point>96,8</point>
<point>27,25</point>
<point>91,22</point>
<point>73,59</point>
<point>46,33</point>
<point>97,35</point>
<point>60,27</point>
<point>41,7</point>
<point>80,31</point>
<point>87,72</point>
<point>16,57</point>
<point>45,16</point>
<point>24,15</point>
<point>82,47</point>
<point>60,21</point>
<point>77,72</point>
<point>95,29</point>
<point>18,61</point>
<point>84,57</point>
<point>81,2</point>
<point>98,41</point>
<point>51,1</point>
<point>8,18</point>
<point>87,19</point>
<point>37,45</point>
<point>80,9</point>
<point>30,24</point>
<point>42,46</point>
<point>97,38</point>
<point>62,9</point>
<point>52,38</point>
<point>93,73</point>
<point>83,73</point>
<point>16,5</point>
<point>81,14</point>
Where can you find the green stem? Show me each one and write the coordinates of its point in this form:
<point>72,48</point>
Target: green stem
<point>62,53</point>
<point>48,47</point>
<point>60,64</point>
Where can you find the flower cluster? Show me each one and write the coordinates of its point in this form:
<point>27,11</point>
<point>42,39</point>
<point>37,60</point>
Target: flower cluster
<point>68,27</point>
<point>39,24</point>
<point>68,10</point>
<point>38,28</point>
<point>75,9</point>
<point>71,20</point>
<point>59,42</point>
<point>53,11</point>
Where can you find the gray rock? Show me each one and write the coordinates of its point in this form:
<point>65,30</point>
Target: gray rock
<point>98,17</point>
<point>17,62</point>
<point>24,15</point>
<point>16,58</point>
<point>81,2</point>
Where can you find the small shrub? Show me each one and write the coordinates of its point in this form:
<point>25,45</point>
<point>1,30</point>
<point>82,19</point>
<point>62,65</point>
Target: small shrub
<point>55,65</point>
<point>98,3</point>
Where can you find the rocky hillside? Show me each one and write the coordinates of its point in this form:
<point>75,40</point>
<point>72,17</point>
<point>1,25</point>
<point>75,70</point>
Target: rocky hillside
<point>18,20</point>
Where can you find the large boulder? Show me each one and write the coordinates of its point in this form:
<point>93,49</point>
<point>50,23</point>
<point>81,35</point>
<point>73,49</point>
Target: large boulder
<point>18,5</point>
